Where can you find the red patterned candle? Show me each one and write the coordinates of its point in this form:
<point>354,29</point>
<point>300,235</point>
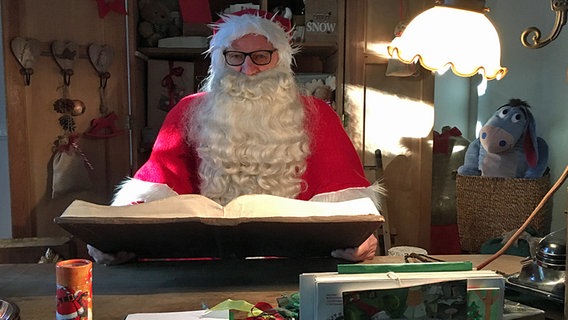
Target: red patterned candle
<point>74,289</point>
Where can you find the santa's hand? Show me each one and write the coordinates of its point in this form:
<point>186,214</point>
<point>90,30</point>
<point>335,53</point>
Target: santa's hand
<point>366,251</point>
<point>109,259</point>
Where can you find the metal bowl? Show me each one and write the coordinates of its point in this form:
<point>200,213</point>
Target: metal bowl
<point>537,280</point>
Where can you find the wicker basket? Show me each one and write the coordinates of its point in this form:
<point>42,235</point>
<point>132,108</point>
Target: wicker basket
<point>487,207</point>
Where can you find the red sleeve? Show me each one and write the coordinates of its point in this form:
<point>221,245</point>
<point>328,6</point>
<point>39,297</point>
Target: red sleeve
<point>172,161</point>
<point>333,163</point>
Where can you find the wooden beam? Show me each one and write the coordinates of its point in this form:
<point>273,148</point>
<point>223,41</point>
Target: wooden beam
<point>18,142</point>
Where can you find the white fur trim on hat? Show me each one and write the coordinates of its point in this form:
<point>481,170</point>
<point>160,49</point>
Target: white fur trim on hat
<point>232,27</point>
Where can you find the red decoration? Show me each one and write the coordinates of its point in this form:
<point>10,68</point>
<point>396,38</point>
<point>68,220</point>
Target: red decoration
<point>441,140</point>
<point>285,23</point>
<point>195,11</point>
<point>268,312</point>
<point>72,145</point>
<point>104,127</point>
<point>114,5</point>
<point>169,84</point>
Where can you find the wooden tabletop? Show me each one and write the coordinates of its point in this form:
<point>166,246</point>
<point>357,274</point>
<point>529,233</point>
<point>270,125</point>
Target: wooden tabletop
<point>181,285</point>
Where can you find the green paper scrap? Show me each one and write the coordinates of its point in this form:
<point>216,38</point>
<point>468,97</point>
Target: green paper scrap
<point>229,304</point>
<point>289,306</point>
<point>238,305</point>
<point>405,267</point>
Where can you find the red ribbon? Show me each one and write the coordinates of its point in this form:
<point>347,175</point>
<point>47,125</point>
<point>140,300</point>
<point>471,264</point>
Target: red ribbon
<point>168,81</point>
<point>105,7</point>
<point>73,146</point>
<point>72,142</point>
<point>268,312</point>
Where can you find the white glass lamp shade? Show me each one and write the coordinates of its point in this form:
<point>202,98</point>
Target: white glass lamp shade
<point>444,36</point>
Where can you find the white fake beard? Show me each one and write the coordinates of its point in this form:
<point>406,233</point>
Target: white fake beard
<point>250,136</point>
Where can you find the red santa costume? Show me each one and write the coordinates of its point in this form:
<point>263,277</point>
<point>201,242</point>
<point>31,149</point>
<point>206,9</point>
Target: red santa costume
<point>332,164</point>
<point>247,134</point>
<point>69,304</point>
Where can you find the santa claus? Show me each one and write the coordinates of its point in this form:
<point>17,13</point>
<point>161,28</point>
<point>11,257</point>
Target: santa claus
<point>71,305</point>
<point>251,131</point>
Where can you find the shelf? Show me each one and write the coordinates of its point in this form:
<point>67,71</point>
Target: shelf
<point>179,54</point>
<point>323,50</point>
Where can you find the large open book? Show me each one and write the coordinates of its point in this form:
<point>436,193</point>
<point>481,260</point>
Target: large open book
<point>249,226</point>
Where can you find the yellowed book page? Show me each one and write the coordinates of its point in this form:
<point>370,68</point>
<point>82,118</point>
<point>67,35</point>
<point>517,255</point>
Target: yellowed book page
<point>247,206</point>
<point>182,206</point>
<point>261,205</point>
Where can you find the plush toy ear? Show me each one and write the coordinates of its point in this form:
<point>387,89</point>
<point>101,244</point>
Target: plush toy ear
<point>530,145</point>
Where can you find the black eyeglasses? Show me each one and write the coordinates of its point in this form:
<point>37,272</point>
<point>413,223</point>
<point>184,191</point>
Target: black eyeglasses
<point>258,57</point>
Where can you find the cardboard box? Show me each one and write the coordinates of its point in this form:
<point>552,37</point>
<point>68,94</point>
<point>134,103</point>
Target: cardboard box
<point>321,21</point>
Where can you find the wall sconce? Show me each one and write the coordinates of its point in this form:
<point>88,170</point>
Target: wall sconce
<point>456,34</point>
<point>559,7</point>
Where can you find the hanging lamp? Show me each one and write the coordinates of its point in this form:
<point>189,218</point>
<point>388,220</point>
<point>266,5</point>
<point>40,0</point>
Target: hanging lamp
<point>455,34</point>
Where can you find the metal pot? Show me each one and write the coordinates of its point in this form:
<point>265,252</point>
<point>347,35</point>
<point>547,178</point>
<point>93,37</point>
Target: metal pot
<point>551,251</point>
<point>9,311</point>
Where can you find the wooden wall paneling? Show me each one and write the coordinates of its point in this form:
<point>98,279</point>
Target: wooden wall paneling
<point>384,112</point>
<point>353,71</point>
<point>33,124</point>
<point>138,88</point>
<point>17,95</point>
<point>337,62</point>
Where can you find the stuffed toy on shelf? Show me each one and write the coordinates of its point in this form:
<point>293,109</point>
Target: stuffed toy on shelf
<point>155,23</point>
<point>508,146</point>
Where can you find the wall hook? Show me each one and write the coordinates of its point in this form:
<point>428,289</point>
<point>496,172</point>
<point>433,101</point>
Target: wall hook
<point>26,52</point>
<point>101,57</point>
<point>105,126</point>
<point>65,54</point>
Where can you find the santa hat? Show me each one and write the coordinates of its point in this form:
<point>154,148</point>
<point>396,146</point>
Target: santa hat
<point>277,29</point>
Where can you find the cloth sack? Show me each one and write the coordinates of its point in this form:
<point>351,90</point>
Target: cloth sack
<point>70,173</point>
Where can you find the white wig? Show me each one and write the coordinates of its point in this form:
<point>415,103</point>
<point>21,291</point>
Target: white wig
<point>231,27</point>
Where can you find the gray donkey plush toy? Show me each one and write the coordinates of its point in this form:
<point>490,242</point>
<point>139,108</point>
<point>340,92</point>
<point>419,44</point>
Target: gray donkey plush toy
<point>507,146</point>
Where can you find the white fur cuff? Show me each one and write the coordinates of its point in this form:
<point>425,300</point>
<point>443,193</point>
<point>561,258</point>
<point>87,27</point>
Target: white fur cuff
<point>136,191</point>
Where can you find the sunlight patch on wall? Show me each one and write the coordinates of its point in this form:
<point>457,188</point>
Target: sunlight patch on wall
<point>389,119</point>
<point>478,126</point>
<point>458,148</point>
<point>379,49</point>
<point>482,87</point>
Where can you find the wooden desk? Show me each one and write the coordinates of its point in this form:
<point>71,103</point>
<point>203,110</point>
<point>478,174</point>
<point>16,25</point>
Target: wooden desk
<point>179,286</point>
